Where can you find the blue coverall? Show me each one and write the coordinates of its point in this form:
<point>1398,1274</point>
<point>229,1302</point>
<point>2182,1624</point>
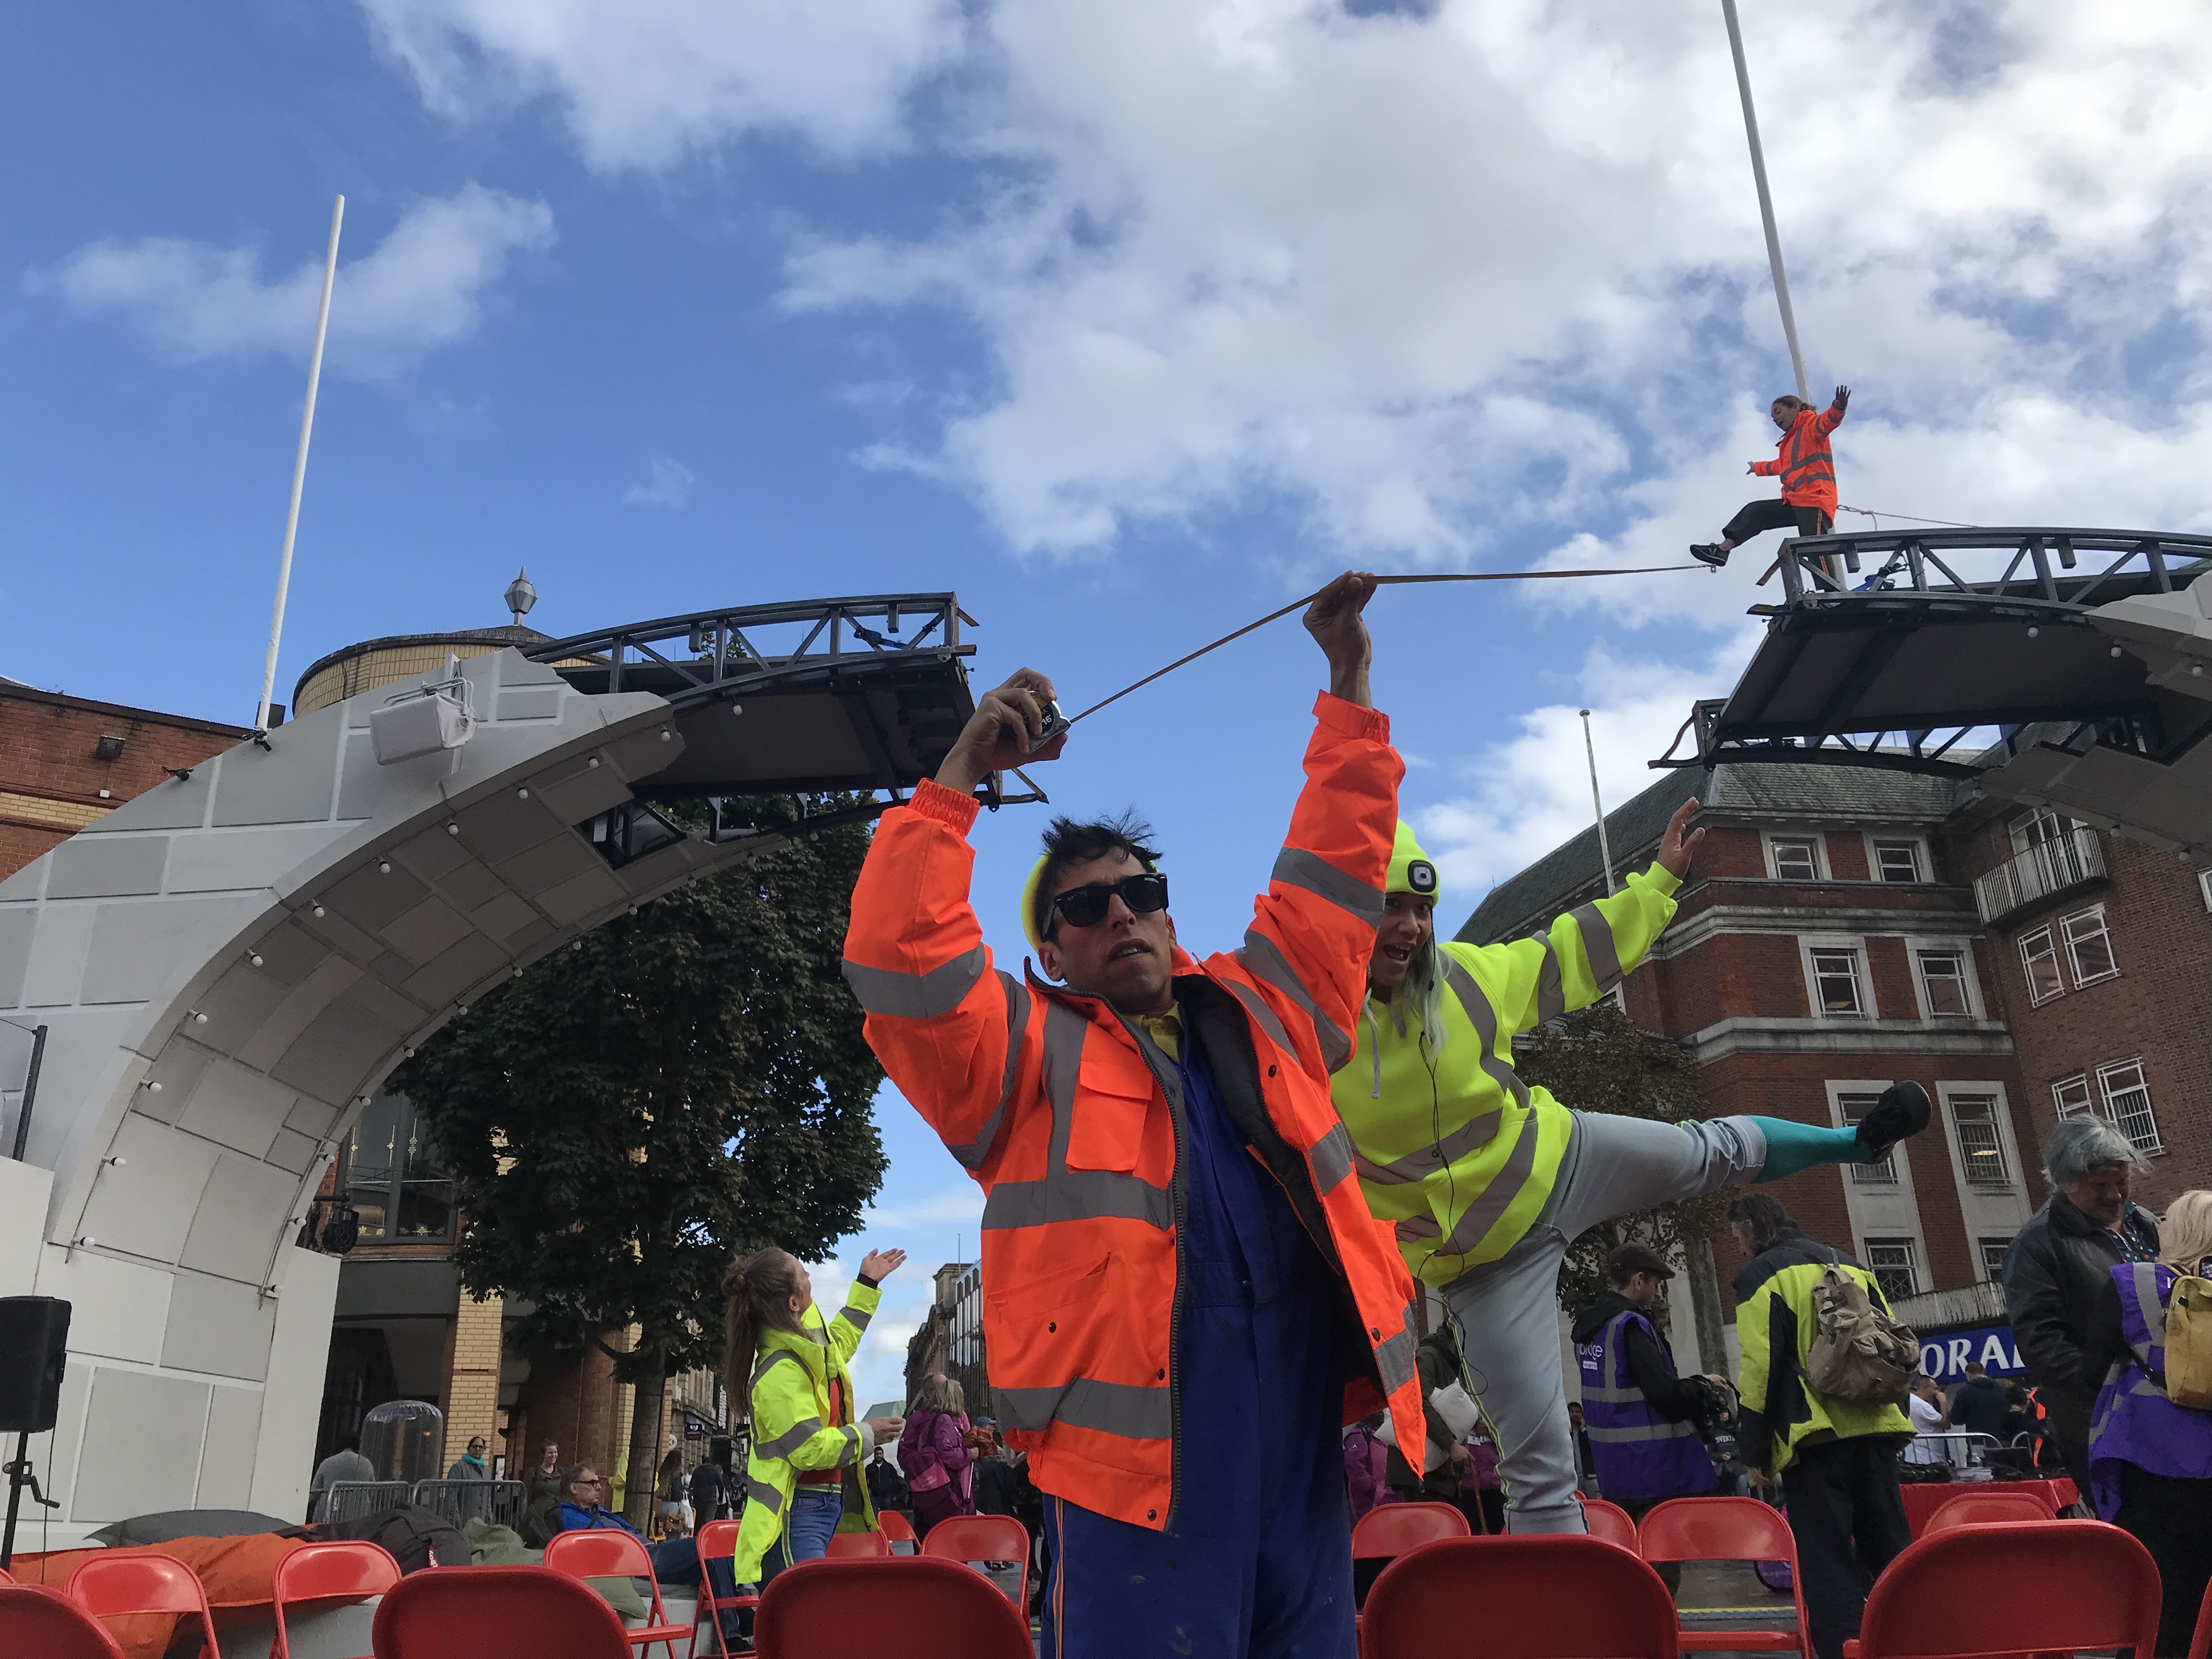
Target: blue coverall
<point>1255,1562</point>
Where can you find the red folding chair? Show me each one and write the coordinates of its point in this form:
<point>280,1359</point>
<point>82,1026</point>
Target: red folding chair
<point>1398,1528</point>
<point>985,1538</point>
<point>2030,1587</point>
<point>2200,1646</point>
<point>1610,1523</point>
<point>899,1530</point>
<point>1982,1509</point>
<point>612,1552</point>
<point>857,1546</point>
<point>914,1607</point>
<point>116,1583</point>
<point>35,1620</point>
<point>465,1612</point>
<point>342,1569</point>
<point>1520,1595</point>
<point>1726,1529</point>
<point>717,1541</point>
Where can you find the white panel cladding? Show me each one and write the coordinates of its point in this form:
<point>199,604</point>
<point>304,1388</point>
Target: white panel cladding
<point>219,1327</point>
<point>141,1451</point>
<point>109,867</point>
<point>235,1106</point>
<point>59,949</point>
<point>16,925</point>
<point>23,1189</point>
<point>233,1427</point>
<point>118,1309</point>
<point>242,1214</point>
<point>144,1207</point>
<point>241,858</point>
<point>284,1453</point>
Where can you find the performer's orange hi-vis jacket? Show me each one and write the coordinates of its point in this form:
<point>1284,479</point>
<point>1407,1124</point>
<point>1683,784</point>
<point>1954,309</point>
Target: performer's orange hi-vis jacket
<point>1804,462</point>
<point>1070,1118</point>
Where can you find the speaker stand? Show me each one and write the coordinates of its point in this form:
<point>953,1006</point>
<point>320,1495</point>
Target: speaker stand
<point>20,1476</point>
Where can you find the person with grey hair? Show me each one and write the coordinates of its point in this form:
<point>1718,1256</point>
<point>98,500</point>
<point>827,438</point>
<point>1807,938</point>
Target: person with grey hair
<point>2057,1268</point>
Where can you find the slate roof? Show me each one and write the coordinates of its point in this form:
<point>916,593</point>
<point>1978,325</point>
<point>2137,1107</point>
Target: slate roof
<point>1821,794</point>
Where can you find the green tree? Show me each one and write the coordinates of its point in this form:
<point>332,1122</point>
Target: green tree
<point>1598,1060</point>
<point>674,1088</point>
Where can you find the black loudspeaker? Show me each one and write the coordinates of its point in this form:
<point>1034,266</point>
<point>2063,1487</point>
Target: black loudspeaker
<point>34,1347</point>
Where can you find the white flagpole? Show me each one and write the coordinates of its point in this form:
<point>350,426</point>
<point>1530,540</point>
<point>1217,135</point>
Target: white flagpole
<point>300,470</point>
<point>1765,201</point>
<point>1597,805</point>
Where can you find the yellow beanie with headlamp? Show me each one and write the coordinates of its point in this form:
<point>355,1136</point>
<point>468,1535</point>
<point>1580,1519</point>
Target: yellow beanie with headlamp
<point>1030,900</point>
<point>1412,869</point>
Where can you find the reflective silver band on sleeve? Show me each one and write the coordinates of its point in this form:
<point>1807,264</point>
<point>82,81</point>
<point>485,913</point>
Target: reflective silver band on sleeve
<point>791,1439</point>
<point>1125,1409</point>
<point>1331,1159</point>
<point>1598,945</point>
<point>902,995</point>
<point>1264,961</point>
<point>1295,867</point>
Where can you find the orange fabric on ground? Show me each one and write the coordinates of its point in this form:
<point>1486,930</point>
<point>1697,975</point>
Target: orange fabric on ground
<point>236,1574</point>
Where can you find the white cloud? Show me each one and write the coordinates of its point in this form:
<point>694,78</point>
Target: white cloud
<point>647,83</point>
<point>1442,280</point>
<point>423,285</point>
<point>669,484</point>
<point>962,1202</point>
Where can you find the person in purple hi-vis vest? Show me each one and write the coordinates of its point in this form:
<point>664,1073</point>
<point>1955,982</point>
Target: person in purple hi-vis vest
<point>2150,1460</point>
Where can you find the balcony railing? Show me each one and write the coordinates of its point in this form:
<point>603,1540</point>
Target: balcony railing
<point>2050,868</point>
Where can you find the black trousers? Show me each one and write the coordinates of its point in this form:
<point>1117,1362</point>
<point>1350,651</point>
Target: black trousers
<point>1756,518</point>
<point>1850,1524</point>
<point>2171,1518</point>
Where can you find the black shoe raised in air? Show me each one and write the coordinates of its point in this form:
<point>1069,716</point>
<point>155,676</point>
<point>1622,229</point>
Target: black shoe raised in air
<point>1900,1110</point>
<point>1711,552</point>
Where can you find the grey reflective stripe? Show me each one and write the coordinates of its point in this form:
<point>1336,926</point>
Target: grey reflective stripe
<point>1128,1410</point>
<point>766,1497</point>
<point>852,1452</point>
<point>776,1356</point>
<point>1394,1356</point>
<point>1331,1158</point>
<point>970,1157</point>
<point>2143,1284</point>
<point>790,1440</point>
<point>1597,943</point>
<point>1653,1431</point>
<point>1295,867</point>
<point>1075,1196</point>
<point>1614,1396</point>
<point>856,1317</point>
<point>1064,1031</point>
<point>1420,1226</point>
<point>1471,1136</point>
<point>1497,1197</point>
<point>1256,1006</point>
<point>1263,961</point>
<point>915,996</point>
<point>1484,1020</point>
<point>1551,994</point>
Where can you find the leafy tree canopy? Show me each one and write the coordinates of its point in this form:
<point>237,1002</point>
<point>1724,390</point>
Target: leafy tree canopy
<point>672,1089</point>
<point>1598,1060</point>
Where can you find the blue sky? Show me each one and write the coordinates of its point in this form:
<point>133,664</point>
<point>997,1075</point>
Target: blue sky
<point>1127,323</point>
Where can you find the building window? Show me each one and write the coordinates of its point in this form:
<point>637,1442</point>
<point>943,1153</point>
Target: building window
<point>1943,984</point>
<point>2071,1094</point>
<point>394,1177</point>
<point>2204,886</point>
<point>1836,991</point>
<point>2038,958</point>
<point>1883,1172</point>
<point>2127,1104</point>
<point>1897,861</point>
<point>1797,858</point>
<point>2031,830</point>
<point>1894,1263</point>
<point>1981,1148</point>
<point>2088,946</point>
<point>1994,1251</point>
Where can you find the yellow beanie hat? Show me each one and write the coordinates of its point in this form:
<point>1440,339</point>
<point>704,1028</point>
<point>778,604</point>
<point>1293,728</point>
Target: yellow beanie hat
<point>1411,869</point>
<point>1028,903</point>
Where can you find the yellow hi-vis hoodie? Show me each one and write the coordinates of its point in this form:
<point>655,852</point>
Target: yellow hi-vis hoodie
<point>1454,1149</point>
<point>791,1430</point>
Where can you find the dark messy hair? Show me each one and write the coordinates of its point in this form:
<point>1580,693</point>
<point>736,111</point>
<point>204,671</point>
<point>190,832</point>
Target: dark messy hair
<point>1067,842</point>
<point>1794,401</point>
<point>756,1292</point>
<point>1762,1217</point>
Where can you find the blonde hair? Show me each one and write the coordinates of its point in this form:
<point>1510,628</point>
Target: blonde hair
<point>756,1292</point>
<point>944,1394</point>
<point>2184,1237</point>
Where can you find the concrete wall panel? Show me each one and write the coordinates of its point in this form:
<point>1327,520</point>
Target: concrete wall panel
<point>142,1445</point>
<point>59,948</point>
<point>23,1191</point>
<point>333,1055</point>
<point>455,971</point>
<point>237,1108</point>
<point>113,866</point>
<point>227,1461</point>
<point>118,1309</point>
<point>284,1454</point>
<point>218,1327</point>
<point>372,897</point>
<point>177,804</point>
<point>16,927</point>
<point>287,786</point>
<point>139,946</point>
<point>243,858</point>
<point>332,977</point>
<point>427,930</point>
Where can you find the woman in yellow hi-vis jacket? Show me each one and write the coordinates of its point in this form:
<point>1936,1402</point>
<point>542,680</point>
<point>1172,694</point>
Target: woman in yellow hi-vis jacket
<point>802,1472</point>
<point>1488,1180</point>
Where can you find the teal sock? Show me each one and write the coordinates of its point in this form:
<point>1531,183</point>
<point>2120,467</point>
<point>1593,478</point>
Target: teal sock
<point>1791,1147</point>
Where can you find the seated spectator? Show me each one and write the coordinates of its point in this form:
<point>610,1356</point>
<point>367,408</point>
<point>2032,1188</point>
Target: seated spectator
<point>675,1561</point>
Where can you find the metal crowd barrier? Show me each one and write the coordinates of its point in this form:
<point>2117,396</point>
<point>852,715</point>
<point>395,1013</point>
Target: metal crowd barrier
<point>500,1502</point>
<point>355,1500</point>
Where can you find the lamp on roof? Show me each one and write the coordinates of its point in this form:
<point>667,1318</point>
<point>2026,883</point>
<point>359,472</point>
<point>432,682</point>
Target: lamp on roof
<point>521,596</point>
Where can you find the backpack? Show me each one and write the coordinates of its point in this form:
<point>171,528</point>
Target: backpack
<point>415,1538</point>
<point>2189,1343</point>
<point>1858,1351</point>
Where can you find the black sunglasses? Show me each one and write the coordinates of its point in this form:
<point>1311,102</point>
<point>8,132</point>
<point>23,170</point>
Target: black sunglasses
<point>1085,907</point>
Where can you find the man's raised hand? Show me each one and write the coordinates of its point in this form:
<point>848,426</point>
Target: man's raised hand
<point>1674,852</point>
<point>1842,397</point>
<point>999,732</point>
<point>1335,621</point>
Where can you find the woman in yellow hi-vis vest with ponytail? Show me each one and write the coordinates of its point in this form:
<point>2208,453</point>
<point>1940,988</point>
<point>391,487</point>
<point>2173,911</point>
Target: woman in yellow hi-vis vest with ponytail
<point>1488,1180</point>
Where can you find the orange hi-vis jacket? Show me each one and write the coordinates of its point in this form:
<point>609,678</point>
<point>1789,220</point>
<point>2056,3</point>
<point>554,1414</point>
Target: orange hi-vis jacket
<point>1071,1120</point>
<point>1804,462</point>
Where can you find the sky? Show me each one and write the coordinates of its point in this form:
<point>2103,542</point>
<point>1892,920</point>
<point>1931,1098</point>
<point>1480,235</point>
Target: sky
<point>1127,323</point>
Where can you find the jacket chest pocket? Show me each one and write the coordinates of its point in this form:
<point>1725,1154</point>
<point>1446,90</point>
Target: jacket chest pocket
<point>1113,1115</point>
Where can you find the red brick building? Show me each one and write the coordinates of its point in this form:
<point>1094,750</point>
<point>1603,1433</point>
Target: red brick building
<point>1846,928</point>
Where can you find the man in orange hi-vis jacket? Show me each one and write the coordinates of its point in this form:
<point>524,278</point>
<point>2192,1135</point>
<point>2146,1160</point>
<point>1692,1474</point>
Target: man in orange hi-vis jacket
<point>1806,468</point>
<point>1184,1296</point>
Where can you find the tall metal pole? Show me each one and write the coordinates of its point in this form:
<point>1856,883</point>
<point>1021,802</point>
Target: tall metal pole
<point>1765,201</point>
<point>1597,805</point>
<point>300,470</point>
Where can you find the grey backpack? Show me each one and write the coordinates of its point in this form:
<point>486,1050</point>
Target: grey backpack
<point>1858,1352</point>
